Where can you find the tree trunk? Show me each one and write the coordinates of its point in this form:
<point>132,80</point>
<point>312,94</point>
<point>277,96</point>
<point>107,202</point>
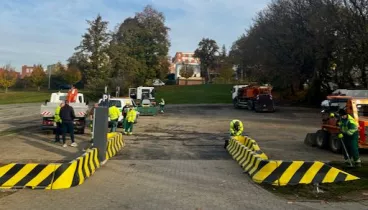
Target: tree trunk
<point>38,88</point>
<point>6,89</point>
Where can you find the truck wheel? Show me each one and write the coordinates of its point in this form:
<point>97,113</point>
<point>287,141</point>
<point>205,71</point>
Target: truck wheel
<point>335,144</point>
<point>322,139</point>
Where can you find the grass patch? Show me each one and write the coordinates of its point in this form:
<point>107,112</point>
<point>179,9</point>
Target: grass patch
<point>16,97</point>
<point>195,94</point>
<point>345,191</point>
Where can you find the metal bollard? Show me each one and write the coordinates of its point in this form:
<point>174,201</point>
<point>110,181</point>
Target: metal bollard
<point>100,132</point>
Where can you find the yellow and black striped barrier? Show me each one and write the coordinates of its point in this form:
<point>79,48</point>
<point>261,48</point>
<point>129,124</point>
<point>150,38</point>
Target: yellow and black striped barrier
<point>76,172</point>
<point>57,175</point>
<point>281,173</point>
<point>114,144</point>
<point>49,176</point>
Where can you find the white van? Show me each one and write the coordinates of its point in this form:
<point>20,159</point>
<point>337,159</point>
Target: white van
<point>120,103</point>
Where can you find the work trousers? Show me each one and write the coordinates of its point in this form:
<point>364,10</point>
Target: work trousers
<point>114,125</point>
<point>58,132</point>
<point>124,123</point>
<point>351,144</point>
<point>67,127</point>
<point>129,127</point>
<point>162,108</point>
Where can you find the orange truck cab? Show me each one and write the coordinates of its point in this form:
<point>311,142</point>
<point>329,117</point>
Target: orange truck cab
<point>258,98</point>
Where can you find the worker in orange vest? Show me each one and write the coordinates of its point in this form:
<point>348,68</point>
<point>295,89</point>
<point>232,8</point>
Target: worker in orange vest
<point>72,95</point>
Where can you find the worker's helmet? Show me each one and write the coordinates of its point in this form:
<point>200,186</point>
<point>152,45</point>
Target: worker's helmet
<point>236,125</point>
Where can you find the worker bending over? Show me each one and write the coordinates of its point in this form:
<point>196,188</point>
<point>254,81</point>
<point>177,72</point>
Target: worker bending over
<point>114,114</point>
<point>131,116</point>
<point>236,129</point>
<point>350,135</point>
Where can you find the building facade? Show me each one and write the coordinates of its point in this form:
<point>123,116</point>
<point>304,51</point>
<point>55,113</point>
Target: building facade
<point>186,58</point>
<point>182,60</point>
<point>27,70</point>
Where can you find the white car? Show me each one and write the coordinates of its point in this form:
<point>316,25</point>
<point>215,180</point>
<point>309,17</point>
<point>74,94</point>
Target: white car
<point>120,103</point>
<point>158,82</point>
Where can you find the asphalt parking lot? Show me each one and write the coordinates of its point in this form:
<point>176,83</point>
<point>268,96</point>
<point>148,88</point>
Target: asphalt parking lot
<point>195,131</point>
<point>173,161</point>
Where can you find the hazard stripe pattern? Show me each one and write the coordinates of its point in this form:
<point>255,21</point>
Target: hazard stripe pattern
<point>282,173</point>
<point>114,144</point>
<point>46,113</point>
<point>49,176</point>
<point>57,175</point>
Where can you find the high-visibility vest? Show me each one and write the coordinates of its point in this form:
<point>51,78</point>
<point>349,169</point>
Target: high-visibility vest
<point>57,115</point>
<point>114,113</point>
<point>131,115</point>
<point>350,126</point>
<point>72,95</point>
<point>234,132</point>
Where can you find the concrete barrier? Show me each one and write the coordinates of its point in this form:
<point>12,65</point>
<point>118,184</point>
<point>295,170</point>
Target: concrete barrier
<point>281,173</point>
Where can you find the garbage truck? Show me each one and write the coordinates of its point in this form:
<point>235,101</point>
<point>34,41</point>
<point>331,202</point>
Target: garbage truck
<point>254,97</point>
<point>80,107</point>
<point>145,99</point>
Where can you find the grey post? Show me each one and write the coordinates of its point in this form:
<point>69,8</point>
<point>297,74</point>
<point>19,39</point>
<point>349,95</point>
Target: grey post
<point>100,129</point>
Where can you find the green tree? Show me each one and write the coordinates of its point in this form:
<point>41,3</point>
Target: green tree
<point>59,67</point>
<point>156,43</point>
<point>72,75</point>
<point>226,72</point>
<point>206,52</point>
<point>144,38</point>
<point>93,49</point>
<point>38,77</point>
<point>8,77</point>
<point>186,71</point>
<point>223,53</point>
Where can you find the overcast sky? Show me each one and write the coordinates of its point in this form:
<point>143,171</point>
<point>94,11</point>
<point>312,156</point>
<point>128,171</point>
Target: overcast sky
<point>47,31</point>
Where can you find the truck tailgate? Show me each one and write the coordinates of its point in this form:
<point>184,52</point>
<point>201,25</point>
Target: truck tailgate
<point>80,111</point>
<point>48,110</point>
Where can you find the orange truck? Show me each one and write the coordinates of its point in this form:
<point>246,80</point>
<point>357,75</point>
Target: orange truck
<point>254,97</point>
<point>356,104</point>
